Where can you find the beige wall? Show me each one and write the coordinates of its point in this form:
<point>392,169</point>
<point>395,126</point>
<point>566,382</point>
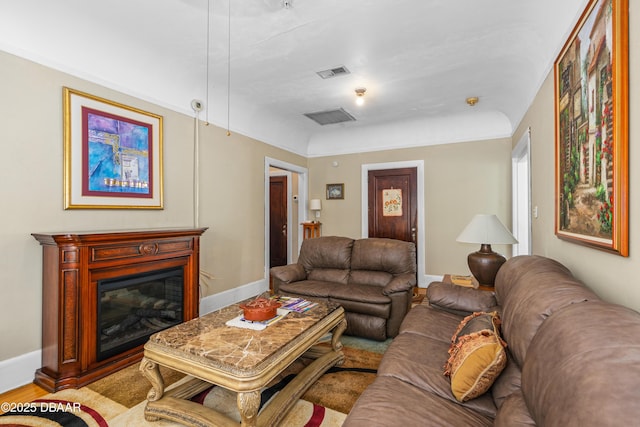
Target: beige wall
<point>613,277</point>
<point>231,187</point>
<point>460,180</point>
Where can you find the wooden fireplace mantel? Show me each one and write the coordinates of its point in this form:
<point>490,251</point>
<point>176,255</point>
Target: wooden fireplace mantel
<point>72,264</point>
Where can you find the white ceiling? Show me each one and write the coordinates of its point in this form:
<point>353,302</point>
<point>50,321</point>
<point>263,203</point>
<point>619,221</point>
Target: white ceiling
<point>418,59</point>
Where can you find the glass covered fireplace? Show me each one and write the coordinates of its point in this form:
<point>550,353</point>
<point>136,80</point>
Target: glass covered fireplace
<point>132,308</point>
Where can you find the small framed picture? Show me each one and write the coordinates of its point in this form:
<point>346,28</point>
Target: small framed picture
<point>335,191</point>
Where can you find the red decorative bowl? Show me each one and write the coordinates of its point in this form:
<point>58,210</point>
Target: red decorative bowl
<point>260,309</point>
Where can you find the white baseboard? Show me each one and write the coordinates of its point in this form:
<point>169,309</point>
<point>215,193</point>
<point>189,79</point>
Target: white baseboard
<point>428,278</point>
<point>19,370</point>
<point>232,296</point>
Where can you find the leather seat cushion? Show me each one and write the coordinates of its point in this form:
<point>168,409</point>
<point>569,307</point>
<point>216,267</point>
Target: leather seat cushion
<point>442,324</point>
<point>363,307</point>
<point>420,361</point>
<point>309,288</point>
<point>360,293</point>
<point>419,407</point>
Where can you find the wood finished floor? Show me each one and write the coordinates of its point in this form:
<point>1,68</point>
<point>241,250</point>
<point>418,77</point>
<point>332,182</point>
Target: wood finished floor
<point>26,393</point>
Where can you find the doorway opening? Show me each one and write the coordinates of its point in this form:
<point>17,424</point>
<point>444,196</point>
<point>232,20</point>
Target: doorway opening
<point>420,228</point>
<point>521,194</point>
<point>288,231</point>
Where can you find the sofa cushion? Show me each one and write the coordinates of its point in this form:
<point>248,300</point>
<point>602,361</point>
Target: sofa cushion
<point>530,289</point>
<point>329,275</point>
<point>583,367</point>
<point>392,402</point>
<point>388,255</point>
<point>382,311</point>
<point>308,288</point>
<point>477,356</point>
<point>514,413</point>
<point>509,381</point>
<point>441,324</point>
<point>362,293</point>
<point>418,360</point>
<point>370,277</point>
<point>459,299</point>
<point>330,253</point>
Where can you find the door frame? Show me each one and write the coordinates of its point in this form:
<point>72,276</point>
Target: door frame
<point>521,195</point>
<point>419,165</point>
<point>303,180</point>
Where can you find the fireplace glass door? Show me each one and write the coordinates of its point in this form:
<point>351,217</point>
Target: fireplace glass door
<point>132,308</point>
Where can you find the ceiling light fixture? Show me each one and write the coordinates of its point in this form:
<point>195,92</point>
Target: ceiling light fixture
<point>360,95</point>
<point>473,100</point>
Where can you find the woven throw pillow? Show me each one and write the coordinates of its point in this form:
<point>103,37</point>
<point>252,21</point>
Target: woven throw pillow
<point>477,355</point>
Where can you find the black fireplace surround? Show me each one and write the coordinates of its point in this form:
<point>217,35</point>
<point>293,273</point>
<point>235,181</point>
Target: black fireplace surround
<point>132,308</point>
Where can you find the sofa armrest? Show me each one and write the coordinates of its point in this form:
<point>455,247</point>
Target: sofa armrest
<point>400,283</point>
<point>288,273</point>
<point>459,299</point>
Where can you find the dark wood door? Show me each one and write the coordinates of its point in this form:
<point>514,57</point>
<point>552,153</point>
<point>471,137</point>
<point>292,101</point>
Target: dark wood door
<point>277,221</point>
<point>393,206</point>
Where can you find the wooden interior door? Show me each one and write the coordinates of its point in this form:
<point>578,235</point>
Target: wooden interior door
<point>277,221</point>
<point>393,206</point>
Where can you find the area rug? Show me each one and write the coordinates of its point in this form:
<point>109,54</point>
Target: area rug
<point>119,399</point>
<point>68,408</point>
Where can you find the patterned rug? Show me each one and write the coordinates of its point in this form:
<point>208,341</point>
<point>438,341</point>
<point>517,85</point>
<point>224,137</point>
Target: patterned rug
<point>119,399</point>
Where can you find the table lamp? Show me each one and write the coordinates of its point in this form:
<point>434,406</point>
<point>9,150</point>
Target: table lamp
<point>485,229</point>
<point>315,206</point>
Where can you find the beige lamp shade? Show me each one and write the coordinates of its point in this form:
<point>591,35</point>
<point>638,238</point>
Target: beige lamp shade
<point>315,205</point>
<point>485,230</point>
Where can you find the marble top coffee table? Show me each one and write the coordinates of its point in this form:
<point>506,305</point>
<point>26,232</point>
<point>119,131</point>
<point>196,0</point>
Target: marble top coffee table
<point>241,360</point>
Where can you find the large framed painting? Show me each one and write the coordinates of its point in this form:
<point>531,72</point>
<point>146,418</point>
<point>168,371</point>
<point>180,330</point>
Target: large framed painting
<point>592,129</point>
<point>112,154</point>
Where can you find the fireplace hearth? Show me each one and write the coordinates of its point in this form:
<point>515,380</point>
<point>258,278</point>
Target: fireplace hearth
<point>104,294</point>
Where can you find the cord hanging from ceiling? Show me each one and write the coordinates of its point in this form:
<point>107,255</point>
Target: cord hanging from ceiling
<point>229,72</point>
<point>207,56</point>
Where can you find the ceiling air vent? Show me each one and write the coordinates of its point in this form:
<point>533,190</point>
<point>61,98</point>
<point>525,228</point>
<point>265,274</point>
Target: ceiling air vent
<point>330,117</point>
<point>334,72</point>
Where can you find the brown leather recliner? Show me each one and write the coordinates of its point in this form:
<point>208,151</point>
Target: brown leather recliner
<point>371,278</point>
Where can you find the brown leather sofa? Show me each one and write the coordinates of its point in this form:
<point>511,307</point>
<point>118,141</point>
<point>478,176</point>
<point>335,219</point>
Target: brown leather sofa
<point>372,279</point>
<point>573,359</point>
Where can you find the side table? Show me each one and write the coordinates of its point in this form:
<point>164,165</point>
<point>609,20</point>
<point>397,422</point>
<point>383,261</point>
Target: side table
<point>310,230</point>
<point>466,281</point>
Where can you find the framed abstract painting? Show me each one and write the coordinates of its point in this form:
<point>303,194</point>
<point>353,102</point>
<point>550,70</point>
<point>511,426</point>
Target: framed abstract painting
<point>112,154</point>
<point>592,129</point>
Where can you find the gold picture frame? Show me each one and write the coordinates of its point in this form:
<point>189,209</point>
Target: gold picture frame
<point>112,154</point>
<point>591,97</point>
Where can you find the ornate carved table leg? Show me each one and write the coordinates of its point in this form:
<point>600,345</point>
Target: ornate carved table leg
<point>336,344</point>
<point>248,404</point>
<point>151,372</point>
